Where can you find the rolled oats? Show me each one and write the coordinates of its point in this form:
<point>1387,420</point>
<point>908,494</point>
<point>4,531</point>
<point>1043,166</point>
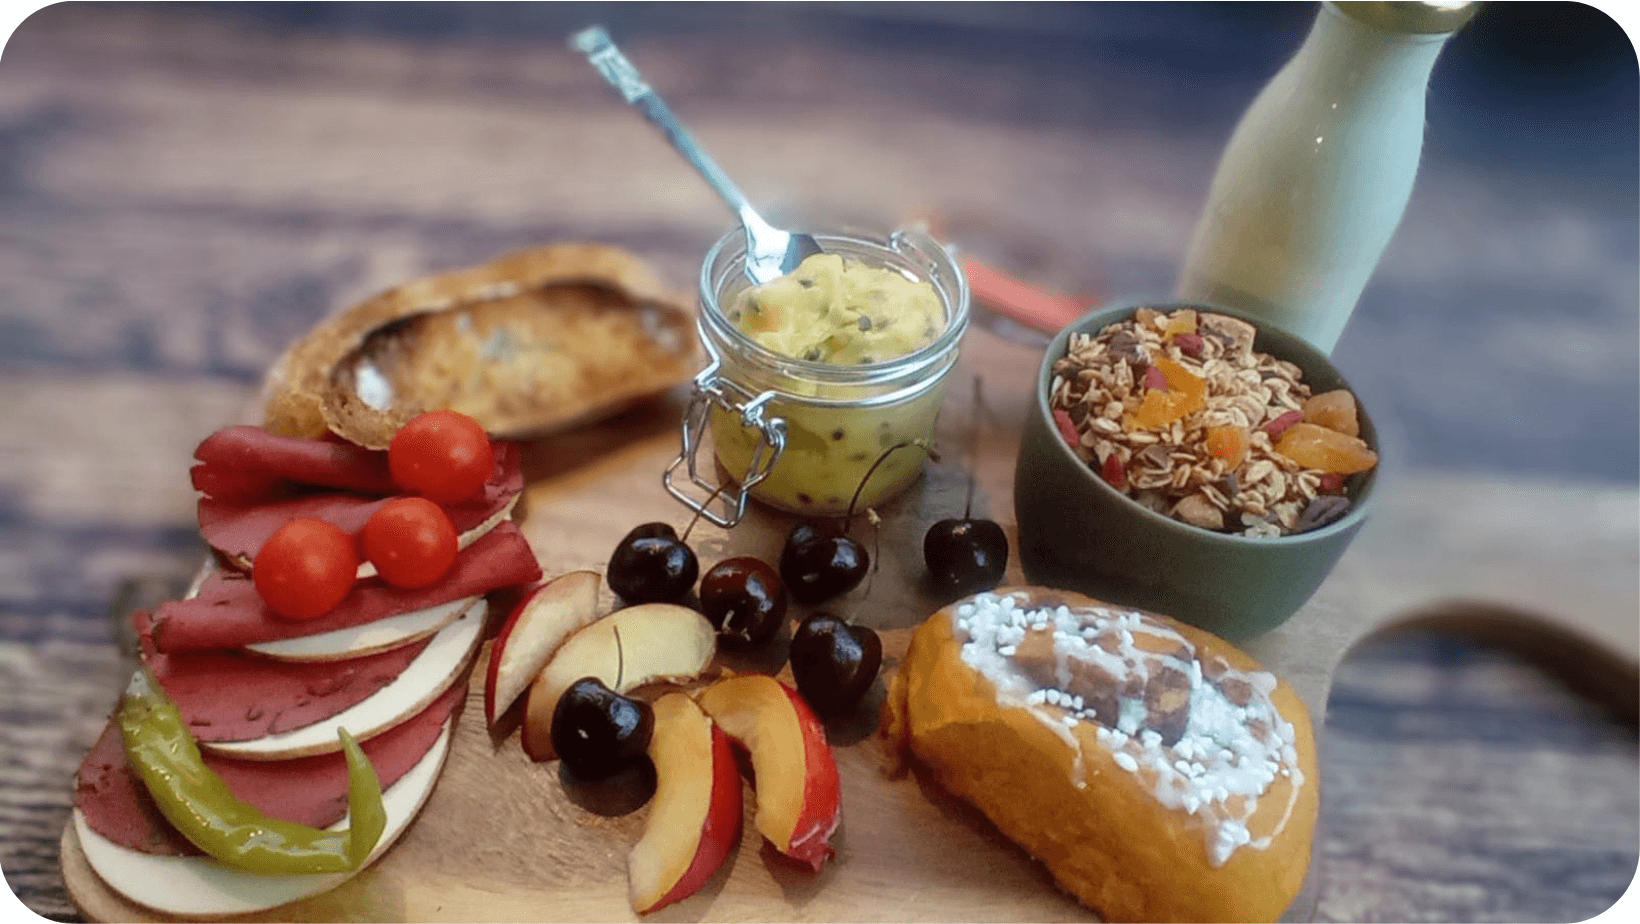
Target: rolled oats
<point>1099,383</point>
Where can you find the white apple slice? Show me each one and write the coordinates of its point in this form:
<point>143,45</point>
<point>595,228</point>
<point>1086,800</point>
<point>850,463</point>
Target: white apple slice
<point>626,649</point>
<point>533,631</point>
<point>439,665</point>
<point>201,886</point>
<point>370,638</point>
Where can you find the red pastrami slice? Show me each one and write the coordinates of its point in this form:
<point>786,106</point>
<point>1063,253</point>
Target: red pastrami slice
<point>228,613</point>
<point>239,528</point>
<point>249,464</point>
<point>267,696</point>
<point>308,790</point>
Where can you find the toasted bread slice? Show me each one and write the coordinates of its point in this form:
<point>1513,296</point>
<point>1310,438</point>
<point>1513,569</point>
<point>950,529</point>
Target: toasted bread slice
<point>534,341</point>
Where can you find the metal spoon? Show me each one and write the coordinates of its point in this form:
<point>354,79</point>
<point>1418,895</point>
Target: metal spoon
<point>770,252</point>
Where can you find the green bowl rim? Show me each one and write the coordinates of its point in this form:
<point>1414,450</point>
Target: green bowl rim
<point>1360,505</point>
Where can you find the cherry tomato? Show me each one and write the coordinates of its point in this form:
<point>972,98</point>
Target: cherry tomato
<point>411,541</point>
<point>444,456</point>
<point>305,569</point>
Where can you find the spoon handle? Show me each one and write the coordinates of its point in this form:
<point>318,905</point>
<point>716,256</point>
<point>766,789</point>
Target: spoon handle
<point>615,68</point>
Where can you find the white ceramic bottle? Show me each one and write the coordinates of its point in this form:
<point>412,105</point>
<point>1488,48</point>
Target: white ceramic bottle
<point>1317,173</point>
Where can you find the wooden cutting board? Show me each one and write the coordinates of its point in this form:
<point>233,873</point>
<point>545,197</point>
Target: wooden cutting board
<point>501,839</point>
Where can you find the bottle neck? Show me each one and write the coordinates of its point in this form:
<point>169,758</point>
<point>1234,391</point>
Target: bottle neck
<point>1357,62</point>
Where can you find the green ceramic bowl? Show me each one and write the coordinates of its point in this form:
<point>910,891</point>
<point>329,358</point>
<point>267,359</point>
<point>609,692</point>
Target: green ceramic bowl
<point>1076,532</point>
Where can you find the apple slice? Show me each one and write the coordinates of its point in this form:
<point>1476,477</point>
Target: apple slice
<point>799,803</point>
<point>695,815</point>
<point>656,641</point>
<point>535,629</point>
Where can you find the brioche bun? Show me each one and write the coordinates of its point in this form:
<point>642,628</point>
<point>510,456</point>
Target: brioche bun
<point>1166,777</point>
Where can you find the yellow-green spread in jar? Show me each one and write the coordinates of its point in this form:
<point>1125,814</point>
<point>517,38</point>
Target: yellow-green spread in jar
<point>840,310</point>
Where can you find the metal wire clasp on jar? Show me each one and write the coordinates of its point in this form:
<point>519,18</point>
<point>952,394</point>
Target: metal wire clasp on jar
<point>800,434</point>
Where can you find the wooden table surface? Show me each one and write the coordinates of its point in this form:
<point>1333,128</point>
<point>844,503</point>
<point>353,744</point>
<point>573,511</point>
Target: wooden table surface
<point>185,191</point>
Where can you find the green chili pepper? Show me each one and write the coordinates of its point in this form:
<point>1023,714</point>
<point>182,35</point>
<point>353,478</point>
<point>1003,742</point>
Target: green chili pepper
<point>196,800</point>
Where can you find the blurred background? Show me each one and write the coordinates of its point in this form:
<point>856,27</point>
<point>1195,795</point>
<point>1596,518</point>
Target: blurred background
<point>185,188</point>
<point>1528,190</point>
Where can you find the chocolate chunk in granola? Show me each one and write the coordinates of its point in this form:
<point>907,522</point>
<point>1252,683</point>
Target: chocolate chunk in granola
<point>1321,510</point>
<point>1127,347</point>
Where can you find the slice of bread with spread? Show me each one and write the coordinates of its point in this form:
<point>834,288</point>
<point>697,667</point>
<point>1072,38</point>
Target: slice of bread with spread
<point>534,341</point>
<point>1159,773</point>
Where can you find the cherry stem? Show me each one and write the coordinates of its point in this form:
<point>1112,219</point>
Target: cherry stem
<point>848,517</point>
<point>699,511</point>
<point>876,563</point>
<point>620,657</point>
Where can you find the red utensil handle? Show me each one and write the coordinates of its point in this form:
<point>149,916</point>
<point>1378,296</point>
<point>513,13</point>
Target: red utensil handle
<point>1035,308</point>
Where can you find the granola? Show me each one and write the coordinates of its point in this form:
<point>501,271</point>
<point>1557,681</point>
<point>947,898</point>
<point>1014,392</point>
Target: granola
<point>1177,410</point>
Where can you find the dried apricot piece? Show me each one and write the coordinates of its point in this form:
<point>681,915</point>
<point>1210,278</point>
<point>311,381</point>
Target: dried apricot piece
<point>1182,321</point>
<point>1334,410</point>
<point>1185,394</point>
<point>1183,380</point>
<point>1325,450</point>
<point>1229,443</point>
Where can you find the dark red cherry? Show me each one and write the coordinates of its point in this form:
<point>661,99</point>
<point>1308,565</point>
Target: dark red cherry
<point>833,662</point>
<point>819,566</point>
<point>802,534</point>
<point>965,556</point>
<point>745,599</point>
<point>652,565</point>
<point>598,732</point>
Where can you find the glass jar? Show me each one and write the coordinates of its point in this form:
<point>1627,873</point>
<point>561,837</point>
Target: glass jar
<point>801,435</point>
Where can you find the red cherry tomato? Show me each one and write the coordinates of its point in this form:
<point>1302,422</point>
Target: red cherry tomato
<point>305,569</point>
<point>411,541</point>
<point>444,456</point>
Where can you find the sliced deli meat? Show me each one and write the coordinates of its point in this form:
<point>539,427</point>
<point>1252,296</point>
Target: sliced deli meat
<point>238,524</point>
<point>444,663</point>
<point>233,696</point>
<point>228,613</point>
<point>202,887</point>
<point>309,790</point>
<point>248,464</point>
